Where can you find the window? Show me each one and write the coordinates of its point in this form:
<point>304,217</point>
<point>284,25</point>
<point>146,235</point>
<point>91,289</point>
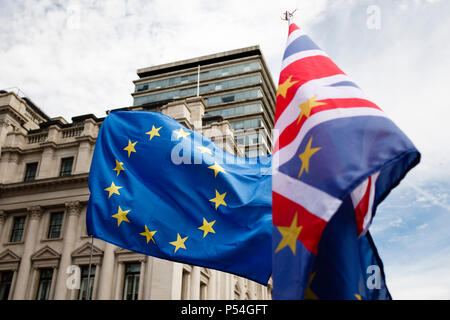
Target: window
<point>30,171</point>
<point>237,111</point>
<point>237,96</point>
<point>66,167</point>
<point>131,285</point>
<point>45,282</point>
<point>192,78</point>
<point>227,99</point>
<point>5,284</point>
<point>18,228</point>
<point>247,124</point>
<point>55,227</point>
<point>84,287</point>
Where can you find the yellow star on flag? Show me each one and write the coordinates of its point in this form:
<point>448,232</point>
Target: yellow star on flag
<point>283,88</point>
<point>217,168</point>
<point>121,216</point>
<point>207,227</point>
<point>219,199</point>
<point>306,107</point>
<point>204,150</point>
<point>153,132</point>
<point>290,235</point>
<point>130,147</point>
<point>113,189</point>
<point>305,156</point>
<point>181,133</point>
<point>148,234</point>
<point>179,243</point>
<point>119,167</point>
<point>309,294</point>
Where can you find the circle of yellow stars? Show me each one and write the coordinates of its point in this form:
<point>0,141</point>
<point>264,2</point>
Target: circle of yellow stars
<point>122,214</point>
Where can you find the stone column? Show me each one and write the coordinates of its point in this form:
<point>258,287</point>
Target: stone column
<point>106,276</point>
<point>23,274</point>
<point>2,222</point>
<point>73,210</point>
<point>47,164</point>
<point>197,107</point>
<point>83,157</point>
<point>4,125</point>
<point>195,283</point>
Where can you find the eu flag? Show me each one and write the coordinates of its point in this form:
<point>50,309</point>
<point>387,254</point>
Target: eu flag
<point>163,190</point>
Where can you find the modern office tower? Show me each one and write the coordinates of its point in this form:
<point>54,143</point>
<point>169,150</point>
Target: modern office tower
<point>235,85</point>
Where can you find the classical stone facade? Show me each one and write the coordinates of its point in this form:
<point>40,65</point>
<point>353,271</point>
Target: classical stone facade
<point>44,246</point>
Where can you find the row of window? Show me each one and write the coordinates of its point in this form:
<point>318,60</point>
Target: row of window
<point>247,124</point>
<point>192,91</point>
<point>234,97</point>
<point>54,229</point>
<point>45,278</point>
<point>64,170</point>
<point>236,111</point>
<point>204,75</point>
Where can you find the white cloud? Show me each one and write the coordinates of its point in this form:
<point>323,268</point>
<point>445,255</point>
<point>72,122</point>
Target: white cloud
<point>424,279</point>
<point>75,57</point>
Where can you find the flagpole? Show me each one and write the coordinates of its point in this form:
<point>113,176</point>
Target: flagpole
<point>288,15</point>
<point>198,81</point>
<point>89,270</point>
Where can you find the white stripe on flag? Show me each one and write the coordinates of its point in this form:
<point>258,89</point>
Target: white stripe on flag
<point>314,200</point>
<point>319,87</point>
<point>289,151</point>
<point>368,216</point>
<point>294,36</point>
<point>301,55</point>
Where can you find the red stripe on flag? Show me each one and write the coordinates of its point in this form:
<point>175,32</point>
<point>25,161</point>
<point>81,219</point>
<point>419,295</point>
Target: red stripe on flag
<point>302,71</point>
<point>288,135</point>
<point>362,208</point>
<point>312,226</point>
<point>293,27</point>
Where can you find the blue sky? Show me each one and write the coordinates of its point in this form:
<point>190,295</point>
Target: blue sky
<point>80,56</point>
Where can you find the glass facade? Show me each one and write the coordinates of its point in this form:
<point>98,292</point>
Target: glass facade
<point>236,111</point>
<point>234,97</point>
<point>247,124</point>
<point>204,75</point>
<point>192,91</point>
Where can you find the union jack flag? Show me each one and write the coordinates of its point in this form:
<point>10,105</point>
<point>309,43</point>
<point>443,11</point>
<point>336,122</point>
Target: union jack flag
<point>332,146</point>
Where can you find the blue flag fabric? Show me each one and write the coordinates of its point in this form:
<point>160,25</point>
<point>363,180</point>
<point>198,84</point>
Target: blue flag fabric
<point>166,191</point>
<point>346,267</point>
<point>336,157</point>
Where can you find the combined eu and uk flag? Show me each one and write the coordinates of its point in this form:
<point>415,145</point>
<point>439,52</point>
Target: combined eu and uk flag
<point>163,190</point>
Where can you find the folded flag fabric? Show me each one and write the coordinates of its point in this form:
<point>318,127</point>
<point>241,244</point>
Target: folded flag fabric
<point>334,149</point>
<point>163,190</point>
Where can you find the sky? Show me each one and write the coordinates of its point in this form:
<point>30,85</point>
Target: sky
<point>80,56</point>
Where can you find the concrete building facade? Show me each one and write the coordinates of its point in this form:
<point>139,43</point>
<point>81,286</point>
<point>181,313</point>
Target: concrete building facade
<point>236,86</point>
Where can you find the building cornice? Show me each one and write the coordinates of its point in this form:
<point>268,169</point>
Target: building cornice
<point>55,182</point>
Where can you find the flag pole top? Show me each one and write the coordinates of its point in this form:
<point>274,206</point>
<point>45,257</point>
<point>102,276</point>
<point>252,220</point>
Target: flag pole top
<point>287,16</point>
